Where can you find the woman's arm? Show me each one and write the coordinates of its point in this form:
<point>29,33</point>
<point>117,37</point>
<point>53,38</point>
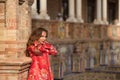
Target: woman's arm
<point>34,50</point>
<point>51,49</point>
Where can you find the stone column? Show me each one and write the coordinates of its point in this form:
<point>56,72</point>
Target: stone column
<point>43,10</point>
<point>104,12</point>
<point>14,65</point>
<point>79,11</point>
<point>71,11</point>
<point>34,10</point>
<point>98,17</point>
<point>117,22</point>
<point>119,11</point>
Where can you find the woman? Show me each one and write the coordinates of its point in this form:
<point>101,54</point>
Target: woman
<point>39,50</point>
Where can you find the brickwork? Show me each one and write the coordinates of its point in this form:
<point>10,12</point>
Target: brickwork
<point>14,69</point>
<point>15,28</point>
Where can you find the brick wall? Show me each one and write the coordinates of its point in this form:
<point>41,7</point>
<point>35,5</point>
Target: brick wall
<point>15,28</point>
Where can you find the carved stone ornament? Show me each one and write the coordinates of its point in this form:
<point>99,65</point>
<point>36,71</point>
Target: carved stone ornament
<point>21,2</point>
<point>3,0</point>
<point>30,2</point>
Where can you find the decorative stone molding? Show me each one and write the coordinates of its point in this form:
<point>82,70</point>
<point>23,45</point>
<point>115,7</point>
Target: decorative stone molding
<point>21,2</point>
<point>14,69</point>
<point>30,2</point>
<point>3,0</point>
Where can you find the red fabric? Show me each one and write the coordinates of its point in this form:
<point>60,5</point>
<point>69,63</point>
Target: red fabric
<point>40,67</point>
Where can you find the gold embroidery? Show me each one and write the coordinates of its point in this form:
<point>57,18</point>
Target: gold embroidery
<point>43,62</point>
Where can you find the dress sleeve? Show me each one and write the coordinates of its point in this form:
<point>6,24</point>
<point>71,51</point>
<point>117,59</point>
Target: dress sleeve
<point>51,49</point>
<point>36,49</point>
<point>31,50</point>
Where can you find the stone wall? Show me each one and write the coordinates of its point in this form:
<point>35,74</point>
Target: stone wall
<point>15,28</point>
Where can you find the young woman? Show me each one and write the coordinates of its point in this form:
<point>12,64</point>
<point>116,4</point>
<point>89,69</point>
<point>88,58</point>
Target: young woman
<point>39,50</point>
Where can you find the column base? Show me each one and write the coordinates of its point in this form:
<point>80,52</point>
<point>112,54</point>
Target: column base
<point>105,22</point>
<point>44,16</point>
<point>34,14</point>
<point>14,69</point>
<point>97,21</point>
<point>117,22</point>
<point>80,20</point>
<point>71,19</point>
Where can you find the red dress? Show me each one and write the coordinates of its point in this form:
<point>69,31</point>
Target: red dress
<point>40,67</point>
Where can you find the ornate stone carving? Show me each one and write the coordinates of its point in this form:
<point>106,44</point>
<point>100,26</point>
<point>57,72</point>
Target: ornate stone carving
<point>21,2</point>
<point>3,0</point>
<point>30,2</point>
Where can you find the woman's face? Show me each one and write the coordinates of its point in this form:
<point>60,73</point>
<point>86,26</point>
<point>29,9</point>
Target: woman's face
<point>42,39</point>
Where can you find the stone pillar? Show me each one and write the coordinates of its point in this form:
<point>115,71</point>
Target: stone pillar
<point>14,69</point>
<point>104,12</point>
<point>117,22</point>
<point>119,10</point>
<point>34,10</point>
<point>98,19</point>
<point>14,65</point>
<point>43,10</point>
<point>71,17</point>
<point>79,11</point>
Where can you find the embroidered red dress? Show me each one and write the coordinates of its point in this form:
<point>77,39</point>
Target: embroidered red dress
<point>40,67</point>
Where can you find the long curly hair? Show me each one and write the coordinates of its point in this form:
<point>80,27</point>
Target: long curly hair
<point>35,35</point>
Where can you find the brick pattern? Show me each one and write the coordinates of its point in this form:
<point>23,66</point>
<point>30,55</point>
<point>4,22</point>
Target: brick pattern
<point>14,69</point>
<point>17,28</point>
<point>2,15</point>
<point>14,34</point>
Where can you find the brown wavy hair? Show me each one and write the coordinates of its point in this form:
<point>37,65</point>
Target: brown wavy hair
<point>35,35</point>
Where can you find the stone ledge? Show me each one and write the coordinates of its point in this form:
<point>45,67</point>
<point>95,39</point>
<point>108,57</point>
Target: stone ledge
<point>3,0</point>
<point>16,65</point>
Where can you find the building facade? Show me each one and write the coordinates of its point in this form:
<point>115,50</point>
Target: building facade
<point>87,11</point>
<point>86,34</point>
